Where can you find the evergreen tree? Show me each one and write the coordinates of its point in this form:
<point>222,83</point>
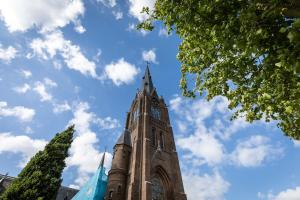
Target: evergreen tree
<point>41,177</point>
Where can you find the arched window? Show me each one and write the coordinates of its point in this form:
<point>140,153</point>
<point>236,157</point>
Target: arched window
<point>119,189</point>
<point>162,140</point>
<point>157,189</point>
<point>153,136</point>
<point>135,114</point>
<point>110,195</point>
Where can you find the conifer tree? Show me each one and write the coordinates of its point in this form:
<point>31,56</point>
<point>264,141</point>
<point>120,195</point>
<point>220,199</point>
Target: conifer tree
<point>41,177</point>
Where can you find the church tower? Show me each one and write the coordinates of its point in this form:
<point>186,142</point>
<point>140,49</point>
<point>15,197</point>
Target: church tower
<point>145,163</point>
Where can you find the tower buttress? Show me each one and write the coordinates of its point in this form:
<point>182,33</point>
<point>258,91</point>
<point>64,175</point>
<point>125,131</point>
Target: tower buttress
<point>117,176</point>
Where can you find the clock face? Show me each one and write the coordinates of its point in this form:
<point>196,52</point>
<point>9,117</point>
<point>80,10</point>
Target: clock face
<point>155,112</point>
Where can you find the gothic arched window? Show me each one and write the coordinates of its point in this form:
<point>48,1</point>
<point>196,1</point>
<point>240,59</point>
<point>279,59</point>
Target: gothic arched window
<point>110,194</point>
<point>157,190</point>
<point>155,112</point>
<point>135,114</point>
<point>162,141</point>
<point>153,137</point>
<point>119,189</point>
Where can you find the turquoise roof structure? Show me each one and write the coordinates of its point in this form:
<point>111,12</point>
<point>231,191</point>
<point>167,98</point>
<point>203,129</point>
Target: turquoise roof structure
<point>95,187</point>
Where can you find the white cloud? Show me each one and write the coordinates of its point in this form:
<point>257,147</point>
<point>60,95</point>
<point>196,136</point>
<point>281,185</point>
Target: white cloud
<point>20,144</point>
<point>205,148</point>
<point>54,44</point>
<point>118,14</point>
<point>163,32</point>
<point>59,108</point>
<point>19,15</point>
<point>26,73</point>
<point>7,54</point>
<point>22,89</point>
<point>131,27</point>
<point>202,145</point>
<point>50,82</point>
<point>96,58</point>
<point>57,64</point>
<point>20,112</point>
<point>107,123</point>
<point>136,7</point>
<point>206,187</point>
<point>206,125</point>
<point>254,151</point>
<point>40,88</point>
<point>108,3</point>
<point>78,27</point>
<point>296,143</point>
<point>149,56</point>
<point>197,113</point>
<point>120,72</point>
<point>28,130</point>
<point>289,194</point>
<point>83,153</point>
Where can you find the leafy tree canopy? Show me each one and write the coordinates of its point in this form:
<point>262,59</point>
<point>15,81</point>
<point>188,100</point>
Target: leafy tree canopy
<point>245,50</point>
<point>41,177</point>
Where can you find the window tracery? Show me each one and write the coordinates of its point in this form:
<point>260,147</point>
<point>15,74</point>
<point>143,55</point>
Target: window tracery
<point>157,192</point>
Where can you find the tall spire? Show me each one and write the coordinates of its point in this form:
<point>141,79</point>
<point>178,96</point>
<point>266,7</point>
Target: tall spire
<point>102,160</point>
<point>147,84</point>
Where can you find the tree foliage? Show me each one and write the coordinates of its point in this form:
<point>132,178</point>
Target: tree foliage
<point>41,177</point>
<point>245,50</point>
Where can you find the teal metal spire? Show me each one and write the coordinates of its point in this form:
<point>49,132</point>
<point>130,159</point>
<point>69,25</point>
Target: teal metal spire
<point>95,187</point>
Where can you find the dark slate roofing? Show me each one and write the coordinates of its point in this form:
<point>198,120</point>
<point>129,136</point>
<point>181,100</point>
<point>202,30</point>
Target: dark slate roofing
<point>125,138</point>
<point>147,84</point>
<point>66,193</point>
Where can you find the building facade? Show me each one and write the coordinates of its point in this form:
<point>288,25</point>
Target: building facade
<point>145,163</point>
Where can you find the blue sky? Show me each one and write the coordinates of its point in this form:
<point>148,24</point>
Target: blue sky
<point>81,62</point>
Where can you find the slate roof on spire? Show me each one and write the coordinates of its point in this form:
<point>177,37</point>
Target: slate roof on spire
<point>147,84</point>
<point>125,138</point>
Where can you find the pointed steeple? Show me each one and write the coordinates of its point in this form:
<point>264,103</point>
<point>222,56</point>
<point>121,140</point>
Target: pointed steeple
<point>102,161</point>
<point>147,84</point>
<point>95,187</point>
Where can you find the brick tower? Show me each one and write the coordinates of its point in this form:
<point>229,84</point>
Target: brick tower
<point>145,164</point>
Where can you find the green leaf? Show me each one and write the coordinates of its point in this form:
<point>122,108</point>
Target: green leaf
<point>296,24</point>
<point>278,64</point>
<point>289,110</point>
<point>259,31</point>
<point>282,30</point>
